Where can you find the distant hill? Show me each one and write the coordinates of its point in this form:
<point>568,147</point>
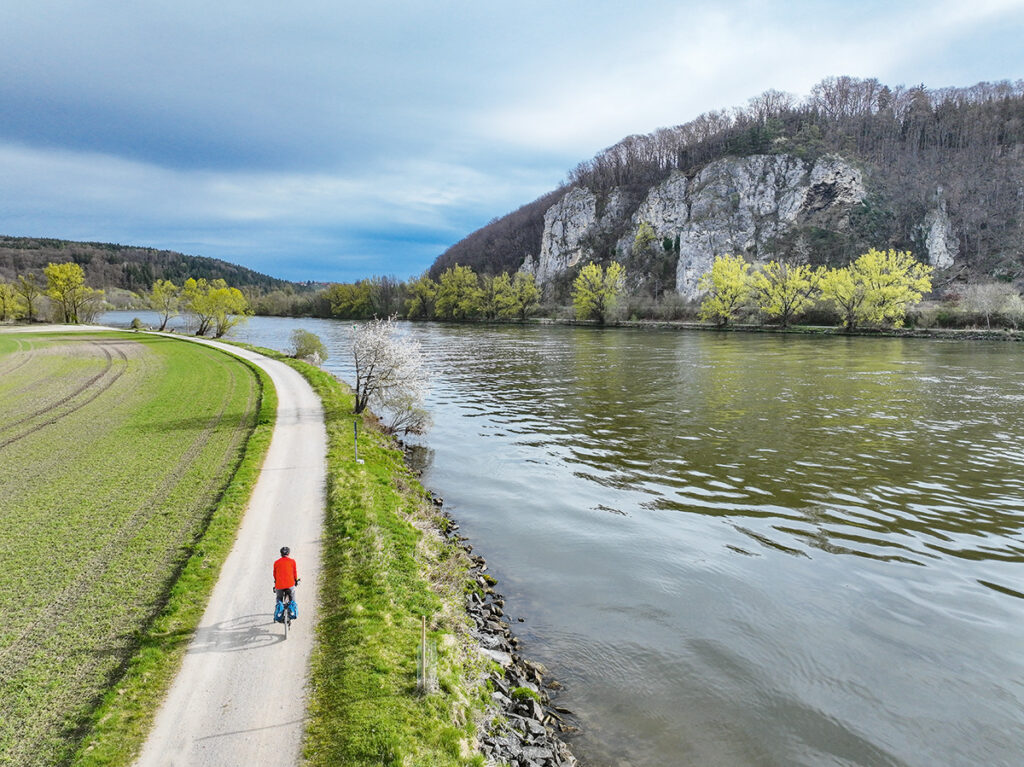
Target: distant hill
<point>124,266</point>
<point>819,179</point>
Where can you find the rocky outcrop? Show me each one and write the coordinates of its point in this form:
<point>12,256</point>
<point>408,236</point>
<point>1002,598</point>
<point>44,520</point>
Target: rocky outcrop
<point>939,239</point>
<point>568,225</point>
<point>742,205</point>
<point>737,205</point>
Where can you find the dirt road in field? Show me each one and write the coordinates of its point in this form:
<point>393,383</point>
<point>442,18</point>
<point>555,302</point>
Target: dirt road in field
<point>239,698</point>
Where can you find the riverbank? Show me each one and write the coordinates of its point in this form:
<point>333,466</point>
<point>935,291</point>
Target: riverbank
<point>393,558</point>
<point>959,334</point>
<point>522,725</point>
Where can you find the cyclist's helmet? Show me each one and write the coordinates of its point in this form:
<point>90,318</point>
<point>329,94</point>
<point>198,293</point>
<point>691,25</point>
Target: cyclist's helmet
<point>285,551</point>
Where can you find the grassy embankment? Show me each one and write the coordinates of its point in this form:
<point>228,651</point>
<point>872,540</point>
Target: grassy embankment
<point>385,566</point>
<point>120,499</point>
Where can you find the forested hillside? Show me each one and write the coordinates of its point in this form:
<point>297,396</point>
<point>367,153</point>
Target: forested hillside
<point>488,249</point>
<point>954,152</point>
<point>121,266</point>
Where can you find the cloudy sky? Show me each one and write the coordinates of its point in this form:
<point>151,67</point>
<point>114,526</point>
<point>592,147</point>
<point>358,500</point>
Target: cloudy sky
<point>336,140</point>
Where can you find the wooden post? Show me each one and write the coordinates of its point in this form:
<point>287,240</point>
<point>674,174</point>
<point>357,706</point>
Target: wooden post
<point>422,682</point>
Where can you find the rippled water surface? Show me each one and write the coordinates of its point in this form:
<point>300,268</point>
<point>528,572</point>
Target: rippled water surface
<point>743,549</point>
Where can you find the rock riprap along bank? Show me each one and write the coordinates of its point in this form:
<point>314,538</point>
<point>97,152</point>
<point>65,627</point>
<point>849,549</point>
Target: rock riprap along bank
<point>522,725</point>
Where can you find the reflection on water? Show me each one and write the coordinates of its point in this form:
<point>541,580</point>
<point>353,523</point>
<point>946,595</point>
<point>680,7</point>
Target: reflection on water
<point>745,550</point>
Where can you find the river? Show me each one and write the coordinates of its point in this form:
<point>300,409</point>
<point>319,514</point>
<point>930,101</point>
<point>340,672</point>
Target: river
<point>741,549</point>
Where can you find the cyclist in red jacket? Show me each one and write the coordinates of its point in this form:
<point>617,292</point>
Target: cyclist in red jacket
<point>286,578</point>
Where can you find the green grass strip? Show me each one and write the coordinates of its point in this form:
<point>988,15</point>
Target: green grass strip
<point>121,723</point>
<point>384,568</point>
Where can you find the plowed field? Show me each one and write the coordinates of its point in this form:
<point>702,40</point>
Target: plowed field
<point>114,448</point>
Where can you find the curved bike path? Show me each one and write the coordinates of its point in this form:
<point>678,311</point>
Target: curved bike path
<point>240,696</point>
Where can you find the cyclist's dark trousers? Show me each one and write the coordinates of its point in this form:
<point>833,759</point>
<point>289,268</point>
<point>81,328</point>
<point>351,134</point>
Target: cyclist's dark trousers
<point>293,605</point>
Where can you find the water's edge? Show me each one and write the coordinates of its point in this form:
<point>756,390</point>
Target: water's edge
<point>523,721</point>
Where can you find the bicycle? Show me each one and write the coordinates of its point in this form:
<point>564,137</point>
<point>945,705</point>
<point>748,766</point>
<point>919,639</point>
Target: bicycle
<point>286,612</point>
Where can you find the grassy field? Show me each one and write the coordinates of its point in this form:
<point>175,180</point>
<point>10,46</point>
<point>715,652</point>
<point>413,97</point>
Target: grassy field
<point>115,449</point>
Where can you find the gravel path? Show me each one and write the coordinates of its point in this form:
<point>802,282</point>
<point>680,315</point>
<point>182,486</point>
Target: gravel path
<point>239,698</point>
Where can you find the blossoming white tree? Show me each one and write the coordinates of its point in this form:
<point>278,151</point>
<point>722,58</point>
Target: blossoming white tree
<point>391,375</point>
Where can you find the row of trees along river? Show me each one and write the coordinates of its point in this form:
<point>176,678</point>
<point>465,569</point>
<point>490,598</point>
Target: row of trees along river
<point>880,288</point>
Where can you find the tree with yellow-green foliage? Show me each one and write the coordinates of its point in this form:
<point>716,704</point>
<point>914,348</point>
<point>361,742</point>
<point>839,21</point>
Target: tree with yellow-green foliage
<point>231,308</point>
<point>165,299</point>
<point>596,291</point>
<point>74,301</point>
<point>783,290</point>
<point>502,287</point>
<point>644,238</point>
<point>350,301</point>
<point>489,287</point>
<point>11,305</point>
<point>877,288</point>
<point>458,294</point>
<point>214,305</point>
<point>727,288</point>
<point>422,296</point>
<point>29,289</point>
<point>195,301</point>
<point>517,296</point>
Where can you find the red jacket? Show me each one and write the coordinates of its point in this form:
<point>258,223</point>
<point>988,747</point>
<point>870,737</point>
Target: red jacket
<point>285,573</point>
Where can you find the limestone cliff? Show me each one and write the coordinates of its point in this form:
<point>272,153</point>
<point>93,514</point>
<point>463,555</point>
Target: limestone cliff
<point>738,205</point>
<point>568,225</point>
<point>939,238</point>
<point>734,205</point>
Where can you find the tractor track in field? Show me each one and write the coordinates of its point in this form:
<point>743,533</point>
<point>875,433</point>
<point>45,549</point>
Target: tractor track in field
<point>71,395</point>
<point>14,655</point>
<point>7,369</point>
<point>87,386</point>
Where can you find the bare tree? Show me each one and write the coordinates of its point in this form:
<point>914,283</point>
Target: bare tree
<point>770,104</point>
<point>990,298</point>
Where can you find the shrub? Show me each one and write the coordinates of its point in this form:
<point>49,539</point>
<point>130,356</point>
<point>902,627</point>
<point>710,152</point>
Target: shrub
<point>306,345</point>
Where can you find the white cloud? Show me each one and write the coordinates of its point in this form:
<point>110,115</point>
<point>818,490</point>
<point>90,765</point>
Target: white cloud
<point>700,60</point>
